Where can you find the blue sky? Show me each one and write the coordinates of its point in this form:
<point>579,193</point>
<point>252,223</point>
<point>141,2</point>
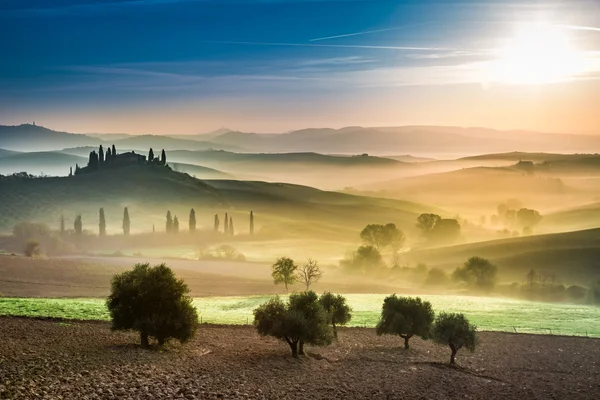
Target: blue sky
<point>189,66</point>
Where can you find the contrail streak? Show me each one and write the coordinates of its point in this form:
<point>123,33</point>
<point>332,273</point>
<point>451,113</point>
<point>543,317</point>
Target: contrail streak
<point>354,34</point>
<point>349,46</point>
<point>580,28</point>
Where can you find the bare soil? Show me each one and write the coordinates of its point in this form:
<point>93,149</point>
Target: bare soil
<point>84,360</point>
<point>91,276</point>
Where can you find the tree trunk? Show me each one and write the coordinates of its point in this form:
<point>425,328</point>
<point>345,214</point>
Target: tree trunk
<point>334,331</point>
<point>144,338</point>
<point>285,283</point>
<point>453,355</point>
<point>405,337</point>
<point>301,348</point>
<point>293,346</point>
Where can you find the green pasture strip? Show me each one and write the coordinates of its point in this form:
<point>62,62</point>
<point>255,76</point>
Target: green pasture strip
<point>488,313</point>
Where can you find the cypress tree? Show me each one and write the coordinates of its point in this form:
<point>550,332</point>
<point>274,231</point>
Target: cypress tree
<point>226,227</point>
<point>62,224</point>
<point>169,222</point>
<point>251,223</point>
<point>217,223</point>
<point>78,225</point>
<point>108,157</point>
<point>151,155</point>
<point>114,152</point>
<point>192,222</point>
<point>101,154</point>
<point>126,222</point>
<point>163,157</point>
<point>102,224</point>
<point>71,171</point>
<point>175,225</point>
<point>231,226</point>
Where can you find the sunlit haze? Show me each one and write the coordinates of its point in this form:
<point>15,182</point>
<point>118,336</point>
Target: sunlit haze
<point>185,67</point>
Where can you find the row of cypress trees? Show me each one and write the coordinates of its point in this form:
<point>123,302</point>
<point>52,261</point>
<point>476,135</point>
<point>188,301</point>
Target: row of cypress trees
<point>172,223</point>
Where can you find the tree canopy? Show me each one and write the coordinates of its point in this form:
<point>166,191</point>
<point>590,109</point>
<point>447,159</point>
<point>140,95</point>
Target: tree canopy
<point>382,236</point>
<point>284,271</point>
<point>338,312</point>
<point>478,273</point>
<point>455,331</point>
<point>152,301</point>
<point>405,317</point>
<point>302,320</point>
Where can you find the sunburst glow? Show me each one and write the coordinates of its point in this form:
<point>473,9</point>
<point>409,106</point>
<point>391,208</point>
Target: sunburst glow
<point>537,55</point>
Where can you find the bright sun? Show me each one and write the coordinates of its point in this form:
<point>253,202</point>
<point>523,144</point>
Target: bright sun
<point>536,55</point>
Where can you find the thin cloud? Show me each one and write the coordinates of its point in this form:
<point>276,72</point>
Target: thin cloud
<point>353,34</point>
<point>343,46</point>
<point>580,28</point>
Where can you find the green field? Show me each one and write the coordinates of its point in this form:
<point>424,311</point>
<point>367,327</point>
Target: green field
<point>490,314</point>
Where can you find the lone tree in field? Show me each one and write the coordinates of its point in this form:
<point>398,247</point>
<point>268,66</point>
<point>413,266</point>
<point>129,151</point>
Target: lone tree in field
<point>302,320</point>
<point>309,273</point>
<point>217,223</point>
<point>78,225</point>
<point>126,222</point>
<point>338,312</point>
<point>102,223</point>
<point>455,331</point>
<point>477,273</point>
<point>169,224</point>
<point>192,222</point>
<point>152,301</point>
<point>284,271</point>
<point>381,236</point>
<point>426,223</point>
<point>405,317</point>
<point>176,225</point>
<point>251,223</point>
<point>226,225</point>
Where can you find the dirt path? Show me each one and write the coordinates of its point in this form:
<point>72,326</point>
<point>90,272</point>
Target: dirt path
<point>45,359</point>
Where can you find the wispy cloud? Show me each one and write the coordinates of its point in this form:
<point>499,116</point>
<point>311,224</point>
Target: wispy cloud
<point>342,46</point>
<point>580,28</point>
<point>336,61</point>
<point>353,34</point>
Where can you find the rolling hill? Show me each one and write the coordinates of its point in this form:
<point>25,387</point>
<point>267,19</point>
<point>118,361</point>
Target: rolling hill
<point>284,209</point>
<point>28,137</point>
<point>157,142</point>
<point>574,257</point>
<point>37,163</point>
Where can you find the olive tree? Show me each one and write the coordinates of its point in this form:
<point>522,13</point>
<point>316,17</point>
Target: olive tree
<point>478,273</point>
<point>284,271</point>
<point>152,301</point>
<point>405,317</point>
<point>301,320</point>
<point>309,273</point>
<point>381,236</point>
<point>455,331</point>
<point>338,312</point>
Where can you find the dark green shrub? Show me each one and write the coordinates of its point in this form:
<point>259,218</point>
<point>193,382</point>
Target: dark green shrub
<point>405,317</point>
<point>152,301</point>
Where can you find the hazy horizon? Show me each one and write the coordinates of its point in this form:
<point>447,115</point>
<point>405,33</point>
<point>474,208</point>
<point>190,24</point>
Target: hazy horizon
<point>187,67</point>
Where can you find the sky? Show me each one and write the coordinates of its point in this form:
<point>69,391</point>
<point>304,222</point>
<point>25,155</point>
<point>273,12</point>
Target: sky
<point>193,66</point>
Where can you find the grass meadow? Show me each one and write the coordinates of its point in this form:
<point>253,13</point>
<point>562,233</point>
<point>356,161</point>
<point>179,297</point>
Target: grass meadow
<point>488,313</point>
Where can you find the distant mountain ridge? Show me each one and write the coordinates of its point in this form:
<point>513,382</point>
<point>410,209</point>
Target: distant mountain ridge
<point>428,141</point>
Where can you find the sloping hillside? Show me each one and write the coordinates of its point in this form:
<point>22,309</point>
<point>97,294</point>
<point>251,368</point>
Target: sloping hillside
<point>150,191</point>
<point>37,163</point>
<point>583,217</point>
<point>28,137</point>
<point>573,257</point>
<point>145,142</point>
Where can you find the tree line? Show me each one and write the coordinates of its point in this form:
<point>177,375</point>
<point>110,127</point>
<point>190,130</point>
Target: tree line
<point>153,302</point>
<point>171,224</point>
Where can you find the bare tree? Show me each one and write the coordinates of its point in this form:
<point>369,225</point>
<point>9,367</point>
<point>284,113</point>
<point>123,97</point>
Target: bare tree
<point>309,273</point>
